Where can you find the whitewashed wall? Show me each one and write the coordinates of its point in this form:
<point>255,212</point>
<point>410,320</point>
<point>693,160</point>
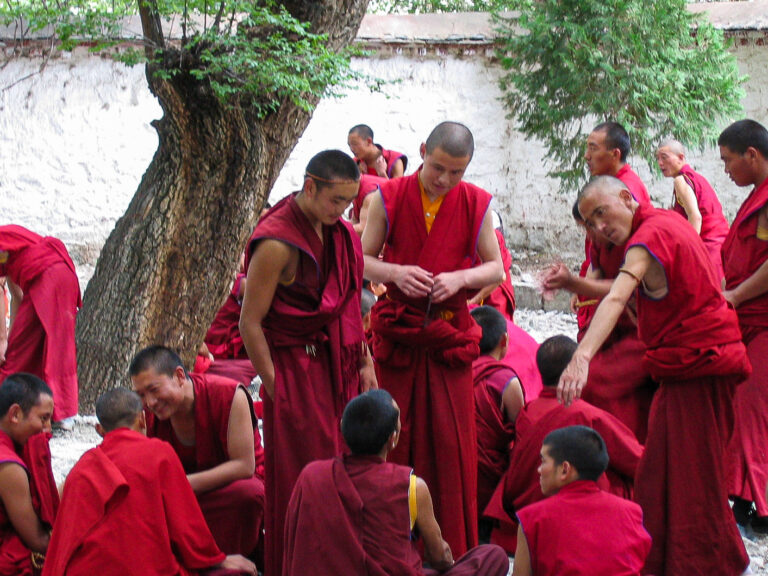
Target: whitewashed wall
<point>75,140</point>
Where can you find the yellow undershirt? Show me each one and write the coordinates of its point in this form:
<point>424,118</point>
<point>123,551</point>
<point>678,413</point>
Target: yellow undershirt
<point>412,500</point>
<point>762,233</point>
<point>430,207</point>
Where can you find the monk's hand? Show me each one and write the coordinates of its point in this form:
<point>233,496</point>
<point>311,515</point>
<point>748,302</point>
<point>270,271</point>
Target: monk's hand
<point>731,298</point>
<point>573,379</point>
<point>556,277</point>
<point>240,564</point>
<point>573,303</point>
<point>414,281</point>
<point>268,382</point>
<point>367,376</point>
<point>447,284</point>
<point>381,166</point>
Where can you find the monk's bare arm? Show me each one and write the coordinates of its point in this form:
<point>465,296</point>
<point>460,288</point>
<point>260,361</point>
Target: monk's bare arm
<point>269,262</point>
<point>412,280</point>
<point>593,285</point>
<point>3,327</point>
<point>522,565</point>
<point>398,169</point>
<point>436,550</point>
<point>16,497</point>
<point>359,226</point>
<point>17,295</point>
<point>574,378</point>
<point>241,463</point>
<point>754,286</point>
<point>491,271</point>
<point>512,400</point>
<point>687,199</point>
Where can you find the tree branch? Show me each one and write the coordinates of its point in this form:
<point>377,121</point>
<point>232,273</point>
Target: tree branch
<point>151,25</point>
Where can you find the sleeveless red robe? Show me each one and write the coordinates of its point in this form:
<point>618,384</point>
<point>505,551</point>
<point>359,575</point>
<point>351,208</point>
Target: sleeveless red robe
<point>368,183</point>
<point>391,158</point>
<point>743,253</point>
<point>521,357</point>
<point>234,512</point>
<point>503,296</point>
<point>42,338</point>
<point>425,362</point>
<point>694,351</point>
<point>315,334</point>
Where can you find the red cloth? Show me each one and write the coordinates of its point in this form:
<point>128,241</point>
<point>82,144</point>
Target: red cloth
<point>495,433</point>
<point>237,369</point>
<point>368,184</point>
<point>583,530</point>
<point>127,503</point>
<point>743,254</point>
<point>315,333</point>
<point>694,350</point>
<point>391,158</point>
<point>15,557</point>
<point>503,297</point>
<point>223,337</point>
<point>714,226</point>
<point>42,338</point>
<point>636,187</point>
<point>521,356</point>
<point>425,361</point>
<point>234,512</point>
<point>360,506</point>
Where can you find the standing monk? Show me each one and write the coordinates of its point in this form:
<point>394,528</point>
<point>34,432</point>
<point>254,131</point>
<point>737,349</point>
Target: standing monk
<point>46,296</point>
<point>373,158</point>
<point>694,199</point>
<point>439,243</point>
<point>744,149</point>
<point>694,351</point>
<point>302,327</point>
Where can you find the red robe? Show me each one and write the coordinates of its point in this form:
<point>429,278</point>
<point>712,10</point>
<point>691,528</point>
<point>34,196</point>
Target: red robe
<point>694,351</point>
<point>743,253</point>
<point>127,508</point>
<point>35,458</point>
<point>521,356</point>
<point>315,334</point>
<point>583,530</point>
<point>42,338</point>
<point>503,297</point>
<point>223,337</point>
<point>391,158</point>
<point>368,184</point>
<point>234,512</point>
<point>360,506</point>
<point>424,352</point>
<point>714,226</point>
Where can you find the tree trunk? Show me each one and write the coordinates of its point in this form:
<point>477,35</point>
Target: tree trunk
<point>167,266</point>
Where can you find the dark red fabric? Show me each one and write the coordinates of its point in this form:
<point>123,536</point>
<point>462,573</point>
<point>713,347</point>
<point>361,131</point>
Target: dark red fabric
<point>224,507</point>
<point>42,338</point>
<point>42,484</point>
<point>542,416</point>
<point>315,333</point>
<point>521,356</point>
<point>503,297</point>
<point>223,337</point>
<point>127,503</point>
<point>714,226</point>
<point>237,369</point>
<point>636,187</point>
<point>583,530</point>
<point>584,312</point>
<point>368,183</point>
<point>495,432</point>
<point>15,557</point>
<point>391,158</point>
<point>425,361</point>
<point>695,351</point>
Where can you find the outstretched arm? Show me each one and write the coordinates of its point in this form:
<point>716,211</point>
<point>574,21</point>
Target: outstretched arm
<point>436,550</point>
<point>687,199</point>
<point>522,565</point>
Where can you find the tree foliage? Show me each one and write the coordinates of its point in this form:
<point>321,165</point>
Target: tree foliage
<point>428,6</point>
<point>654,67</point>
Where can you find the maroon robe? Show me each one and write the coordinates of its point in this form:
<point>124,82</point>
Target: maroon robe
<point>743,254</point>
<point>315,334</point>
<point>521,357</point>
<point>391,157</point>
<point>128,508</point>
<point>368,184</point>
<point>223,337</point>
<point>42,338</point>
<point>583,530</point>
<point>503,296</point>
<point>714,226</point>
<point>694,351</point>
<point>360,507</point>
<point>424,352</point>
<point>234,512</point>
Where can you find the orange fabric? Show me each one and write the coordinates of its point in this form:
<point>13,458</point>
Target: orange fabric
<point>430,207</point>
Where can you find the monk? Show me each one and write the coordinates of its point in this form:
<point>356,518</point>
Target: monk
<point>26,409</point>
<point>210,423</point>
<point>694,350</point>
<point>578,528</point>
<point>302,326</point>
<point>362,515</point>
<point>127,507</point>
<point>618,383</point>
<point>439,243</point>
<point>744,150</point>
<point>358,213</point>
<point>694,199</point>
<point>545,414</point>
<point>372,158</point>
<point>500,296</point>
<point>46,297</point>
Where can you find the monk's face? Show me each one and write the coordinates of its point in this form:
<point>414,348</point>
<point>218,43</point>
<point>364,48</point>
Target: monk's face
<point>601,160</point>
<point>441,172</point>
<point>161,393</point>
<point>608,214</point>
<point>362,148</point>
<point>738,166</point>
<point>549,473</point>
<point>36,420</point>
<point>669,162</point>
<point>330,201</point>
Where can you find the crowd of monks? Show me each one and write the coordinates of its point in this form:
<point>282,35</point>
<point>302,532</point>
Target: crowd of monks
<point>367,279</point>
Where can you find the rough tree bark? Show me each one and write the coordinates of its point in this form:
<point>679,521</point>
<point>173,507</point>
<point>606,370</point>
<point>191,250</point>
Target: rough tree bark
<point>167,265</point>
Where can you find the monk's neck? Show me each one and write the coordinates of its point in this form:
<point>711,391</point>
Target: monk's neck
<point>432,197</point>
<point>496,354</point>
<point>762,176</point>
<point>185,414</point>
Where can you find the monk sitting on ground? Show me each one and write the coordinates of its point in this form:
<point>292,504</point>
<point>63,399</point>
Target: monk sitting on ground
<point>578,528</point>
<point>372,158</point>
<point>545,414</point>
<point>26,409</point>
<point>210,423</point>
<point>128,508</point>
<point>369,509</point>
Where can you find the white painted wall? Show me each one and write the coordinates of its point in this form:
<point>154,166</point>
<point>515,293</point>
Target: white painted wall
<point>76,139</point>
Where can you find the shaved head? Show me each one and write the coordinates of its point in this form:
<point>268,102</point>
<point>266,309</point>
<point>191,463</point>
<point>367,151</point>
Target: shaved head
<point>673,146</point>
<point>608,184</point>
<point>118,408</point>
<point>453,138</point>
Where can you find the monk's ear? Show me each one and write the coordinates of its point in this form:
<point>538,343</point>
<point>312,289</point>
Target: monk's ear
<point>180,374</point>
<point>423,150</point>
<point>15,413</point>
<point>100,430</point>
<point>310,187</point>
<point>625,196</point>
